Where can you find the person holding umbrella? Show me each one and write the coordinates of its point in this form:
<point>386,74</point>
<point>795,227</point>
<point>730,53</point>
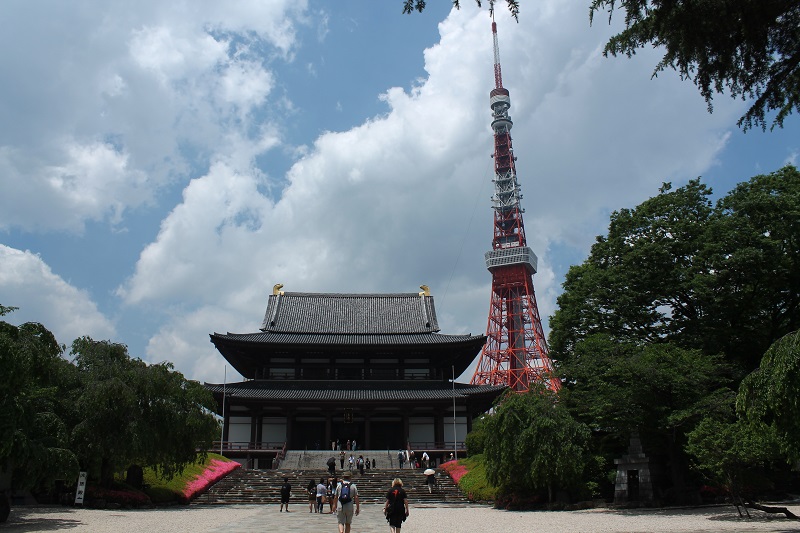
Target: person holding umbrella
<point>430,478</point>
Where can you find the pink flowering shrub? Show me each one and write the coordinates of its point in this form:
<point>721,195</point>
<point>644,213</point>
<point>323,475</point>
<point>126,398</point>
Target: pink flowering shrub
<point>455,470</point>
<point>127,498</point>
<point>215,471</point>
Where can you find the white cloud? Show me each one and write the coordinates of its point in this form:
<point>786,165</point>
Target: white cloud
<point>189,96</point>
<point>28,283</point>
<point>403,199</point>
<point>117,92</point>
<point>184,341</point>
<point>92,182</point>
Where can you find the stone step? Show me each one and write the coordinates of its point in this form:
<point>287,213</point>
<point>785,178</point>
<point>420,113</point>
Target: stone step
<point>263,486</point>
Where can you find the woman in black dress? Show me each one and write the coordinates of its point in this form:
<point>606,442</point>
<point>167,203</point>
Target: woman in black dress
<point>396,506</point>
<point>311,489</point>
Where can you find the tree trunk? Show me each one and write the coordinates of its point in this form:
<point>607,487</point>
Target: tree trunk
<point>677,468</point>
<point>772,510</point>
<point>106,473</point>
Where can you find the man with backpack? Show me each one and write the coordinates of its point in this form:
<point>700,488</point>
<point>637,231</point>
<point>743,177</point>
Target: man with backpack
<point>345,503</point>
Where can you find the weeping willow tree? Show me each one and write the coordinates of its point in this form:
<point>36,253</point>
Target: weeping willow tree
<point>771,393</point>
<point>533,444</point>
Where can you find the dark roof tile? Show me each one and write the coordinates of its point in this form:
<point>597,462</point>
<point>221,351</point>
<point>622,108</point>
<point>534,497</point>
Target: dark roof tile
<point>300,312</point>
<point>352,391</point>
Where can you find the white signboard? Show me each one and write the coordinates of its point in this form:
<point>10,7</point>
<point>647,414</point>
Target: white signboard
<point>81,490</point>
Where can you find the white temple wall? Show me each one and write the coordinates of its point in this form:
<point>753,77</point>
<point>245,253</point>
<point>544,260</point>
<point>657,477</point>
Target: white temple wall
<point>273,429</point>
<point>461,429</point>
<point>421,429</point>
<point>239,429</point>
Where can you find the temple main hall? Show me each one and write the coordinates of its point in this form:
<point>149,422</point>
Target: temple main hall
<point>323,367</point>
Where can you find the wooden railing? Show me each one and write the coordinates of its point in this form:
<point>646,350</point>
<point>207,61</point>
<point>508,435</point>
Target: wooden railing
<point>242,446</point>
<point>436,446</point>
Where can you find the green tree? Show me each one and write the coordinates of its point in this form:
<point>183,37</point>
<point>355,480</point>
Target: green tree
<point>647,280</point>
<point>532,443</point>
<point>476,439</point>
<point>771,393</point>
<point>33,433</point>
<point>729,452</point>
<point>659,390</point>
<point>756,262</point>
<point>132,413</point>
<point>748,48</point>
<point>675,269</point>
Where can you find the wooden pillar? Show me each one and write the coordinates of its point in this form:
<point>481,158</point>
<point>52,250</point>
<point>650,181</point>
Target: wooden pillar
<point>289,427</point>
<point>328,436</point>
<point>253,430</point>
<point>260,430</point>
<point>367,432</point>
<point>405,430</point>
<point>438,427</point>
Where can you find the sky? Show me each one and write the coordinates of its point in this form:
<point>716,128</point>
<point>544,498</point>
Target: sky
<point>164,164</point>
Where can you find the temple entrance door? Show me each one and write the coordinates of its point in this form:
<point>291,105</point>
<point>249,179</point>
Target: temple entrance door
<point>387,435</point>
<point>308,435</point>
<point>348,431</point>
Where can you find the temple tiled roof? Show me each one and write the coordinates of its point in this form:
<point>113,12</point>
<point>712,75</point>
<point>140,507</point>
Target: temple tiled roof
<point>263,337</point>
<point>373,314</point>
<point>354,391</point>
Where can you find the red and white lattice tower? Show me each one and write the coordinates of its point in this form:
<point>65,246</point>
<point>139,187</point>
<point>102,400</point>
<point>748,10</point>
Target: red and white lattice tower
<point>515,353</point>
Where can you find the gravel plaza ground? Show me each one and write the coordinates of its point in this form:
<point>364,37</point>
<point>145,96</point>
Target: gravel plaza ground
<point>422,519</point>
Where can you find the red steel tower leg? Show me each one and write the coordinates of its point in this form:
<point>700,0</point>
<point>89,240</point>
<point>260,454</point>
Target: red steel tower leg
<point>515,353</point>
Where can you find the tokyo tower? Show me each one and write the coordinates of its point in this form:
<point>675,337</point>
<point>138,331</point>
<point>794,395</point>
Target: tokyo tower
<point>515,353</point>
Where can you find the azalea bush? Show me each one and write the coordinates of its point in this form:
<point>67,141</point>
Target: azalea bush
<point>470,476</point>
<point>216,470</point>
<point>125,496</point>
<point>455,470</point>
<point>474,483</point>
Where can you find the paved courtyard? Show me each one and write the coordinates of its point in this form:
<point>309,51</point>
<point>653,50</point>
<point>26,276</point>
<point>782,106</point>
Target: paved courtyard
<point>427,519</point>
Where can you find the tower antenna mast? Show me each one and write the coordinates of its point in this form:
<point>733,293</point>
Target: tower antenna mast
<point>515,353</point>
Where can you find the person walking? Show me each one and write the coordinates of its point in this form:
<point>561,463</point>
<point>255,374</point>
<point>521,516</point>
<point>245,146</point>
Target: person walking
<point>345,503</point>
<point>322,490</point>
<point>332,483</point>
<point>401,457</point>
<point>286,492</point>
<point>430,479</point>
<point>311,489</point>
<point>396,507</point>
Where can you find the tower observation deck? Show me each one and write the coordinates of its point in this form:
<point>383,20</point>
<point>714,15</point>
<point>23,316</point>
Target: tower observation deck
<point>515,353</point>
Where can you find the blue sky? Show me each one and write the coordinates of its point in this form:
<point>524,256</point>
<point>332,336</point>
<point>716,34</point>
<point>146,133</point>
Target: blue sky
<point>163,165</point>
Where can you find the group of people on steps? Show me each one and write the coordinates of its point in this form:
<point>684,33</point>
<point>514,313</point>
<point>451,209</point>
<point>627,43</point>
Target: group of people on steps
<point>342,498</point>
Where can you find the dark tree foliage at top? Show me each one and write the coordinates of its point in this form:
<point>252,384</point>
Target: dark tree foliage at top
<point>409,6</point>
<point>749,48</point>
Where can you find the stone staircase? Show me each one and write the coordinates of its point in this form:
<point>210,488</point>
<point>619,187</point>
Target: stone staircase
<point>263,486</point>
<point>317,459</point>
